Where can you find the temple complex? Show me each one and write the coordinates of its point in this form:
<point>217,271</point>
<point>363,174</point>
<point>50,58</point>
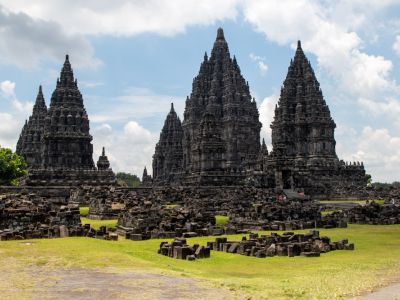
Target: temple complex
<point>56,142</point>
<point>218,142</point>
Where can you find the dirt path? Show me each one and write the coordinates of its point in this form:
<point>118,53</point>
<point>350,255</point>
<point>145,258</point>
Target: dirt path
<point>391,292</point>
<point>111,284</point>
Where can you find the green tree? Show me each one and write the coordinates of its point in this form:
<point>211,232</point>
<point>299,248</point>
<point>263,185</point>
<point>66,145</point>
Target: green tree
<point>127,180</point>
<point>12,167</point>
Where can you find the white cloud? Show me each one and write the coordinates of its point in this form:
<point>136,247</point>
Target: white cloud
<point>124,17</point>
<point>267,111</point>
<point>381,151</point>
<point>388,108</point>
<point>9,130</point>
<point>7,89</point>
<point>338,48</point>
<point>129,149</point>
<point>396,45</point>
<point>27,40</point>
<point>261,64</point>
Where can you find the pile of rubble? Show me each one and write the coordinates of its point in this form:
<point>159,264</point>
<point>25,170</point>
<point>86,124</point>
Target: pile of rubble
<point>28,215</point>
<point>374,214</point>
<point>278,214</point>
<point>287,244</point>
<point>180,250</point>
<point>145,219</point>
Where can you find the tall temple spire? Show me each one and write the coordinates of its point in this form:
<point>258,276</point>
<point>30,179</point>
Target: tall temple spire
<point>167,158</point>
<point>67,140</point>
<point>219,102</point>
<point>40,104</point>
<point>30,141</point>
<point>220,34</point>
<point>299,56</point>
<point>220,49</point>
<point>67,75</point>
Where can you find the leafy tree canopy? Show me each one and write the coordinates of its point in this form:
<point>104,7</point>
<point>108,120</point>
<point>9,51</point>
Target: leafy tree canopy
<point>127,180</point>
<point>12,167</point>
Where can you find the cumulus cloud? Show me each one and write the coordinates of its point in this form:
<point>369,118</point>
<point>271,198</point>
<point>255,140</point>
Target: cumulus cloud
<point>9,130</point>
<point>267,110</point>
<point>261,64</point>
<point>12,120</point>
<point>376,147</point>
<point>129,149</point>
<point>26,41</point>
<point>7,89</point>
<point>338,48</point>
<point>124,17</point>
<point>388,108</point>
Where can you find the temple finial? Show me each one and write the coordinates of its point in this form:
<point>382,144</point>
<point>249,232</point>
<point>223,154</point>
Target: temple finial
<point>172,107</point>
<point>220,34</point>
<point>298,44</point>
<point>103,153</point>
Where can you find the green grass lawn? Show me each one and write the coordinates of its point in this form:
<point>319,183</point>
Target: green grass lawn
<point>221,220</point>
<point>333,275</point>
<point>329,211</point>
<point>84,211</point>
<point>97,223</point>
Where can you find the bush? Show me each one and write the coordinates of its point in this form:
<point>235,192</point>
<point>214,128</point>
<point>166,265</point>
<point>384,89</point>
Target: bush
<point>12,167</point>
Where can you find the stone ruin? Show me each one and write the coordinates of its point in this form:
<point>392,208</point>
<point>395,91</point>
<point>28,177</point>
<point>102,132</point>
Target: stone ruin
<point>288,244</point>
<point>371,213</point>
<point>218,141</point>
<point>278,214</point>
<point>180,250</point>
<point>45,213</point>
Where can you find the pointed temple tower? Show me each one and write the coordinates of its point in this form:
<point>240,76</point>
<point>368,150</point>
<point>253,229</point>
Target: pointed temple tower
<point>303,140</point>
<point>167,159</point>
<point>67,142</point>
<point>221,128</point>
<point>30,141</point>
<point>146,179</point>
<point>66,151</point>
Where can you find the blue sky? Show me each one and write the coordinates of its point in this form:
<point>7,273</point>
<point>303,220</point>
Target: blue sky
<point>132,58</point>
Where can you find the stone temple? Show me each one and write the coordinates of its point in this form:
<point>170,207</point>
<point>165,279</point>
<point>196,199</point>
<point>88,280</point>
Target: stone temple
<point>218,141</point>
<point>220,132</point>
<point>56,142</point>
